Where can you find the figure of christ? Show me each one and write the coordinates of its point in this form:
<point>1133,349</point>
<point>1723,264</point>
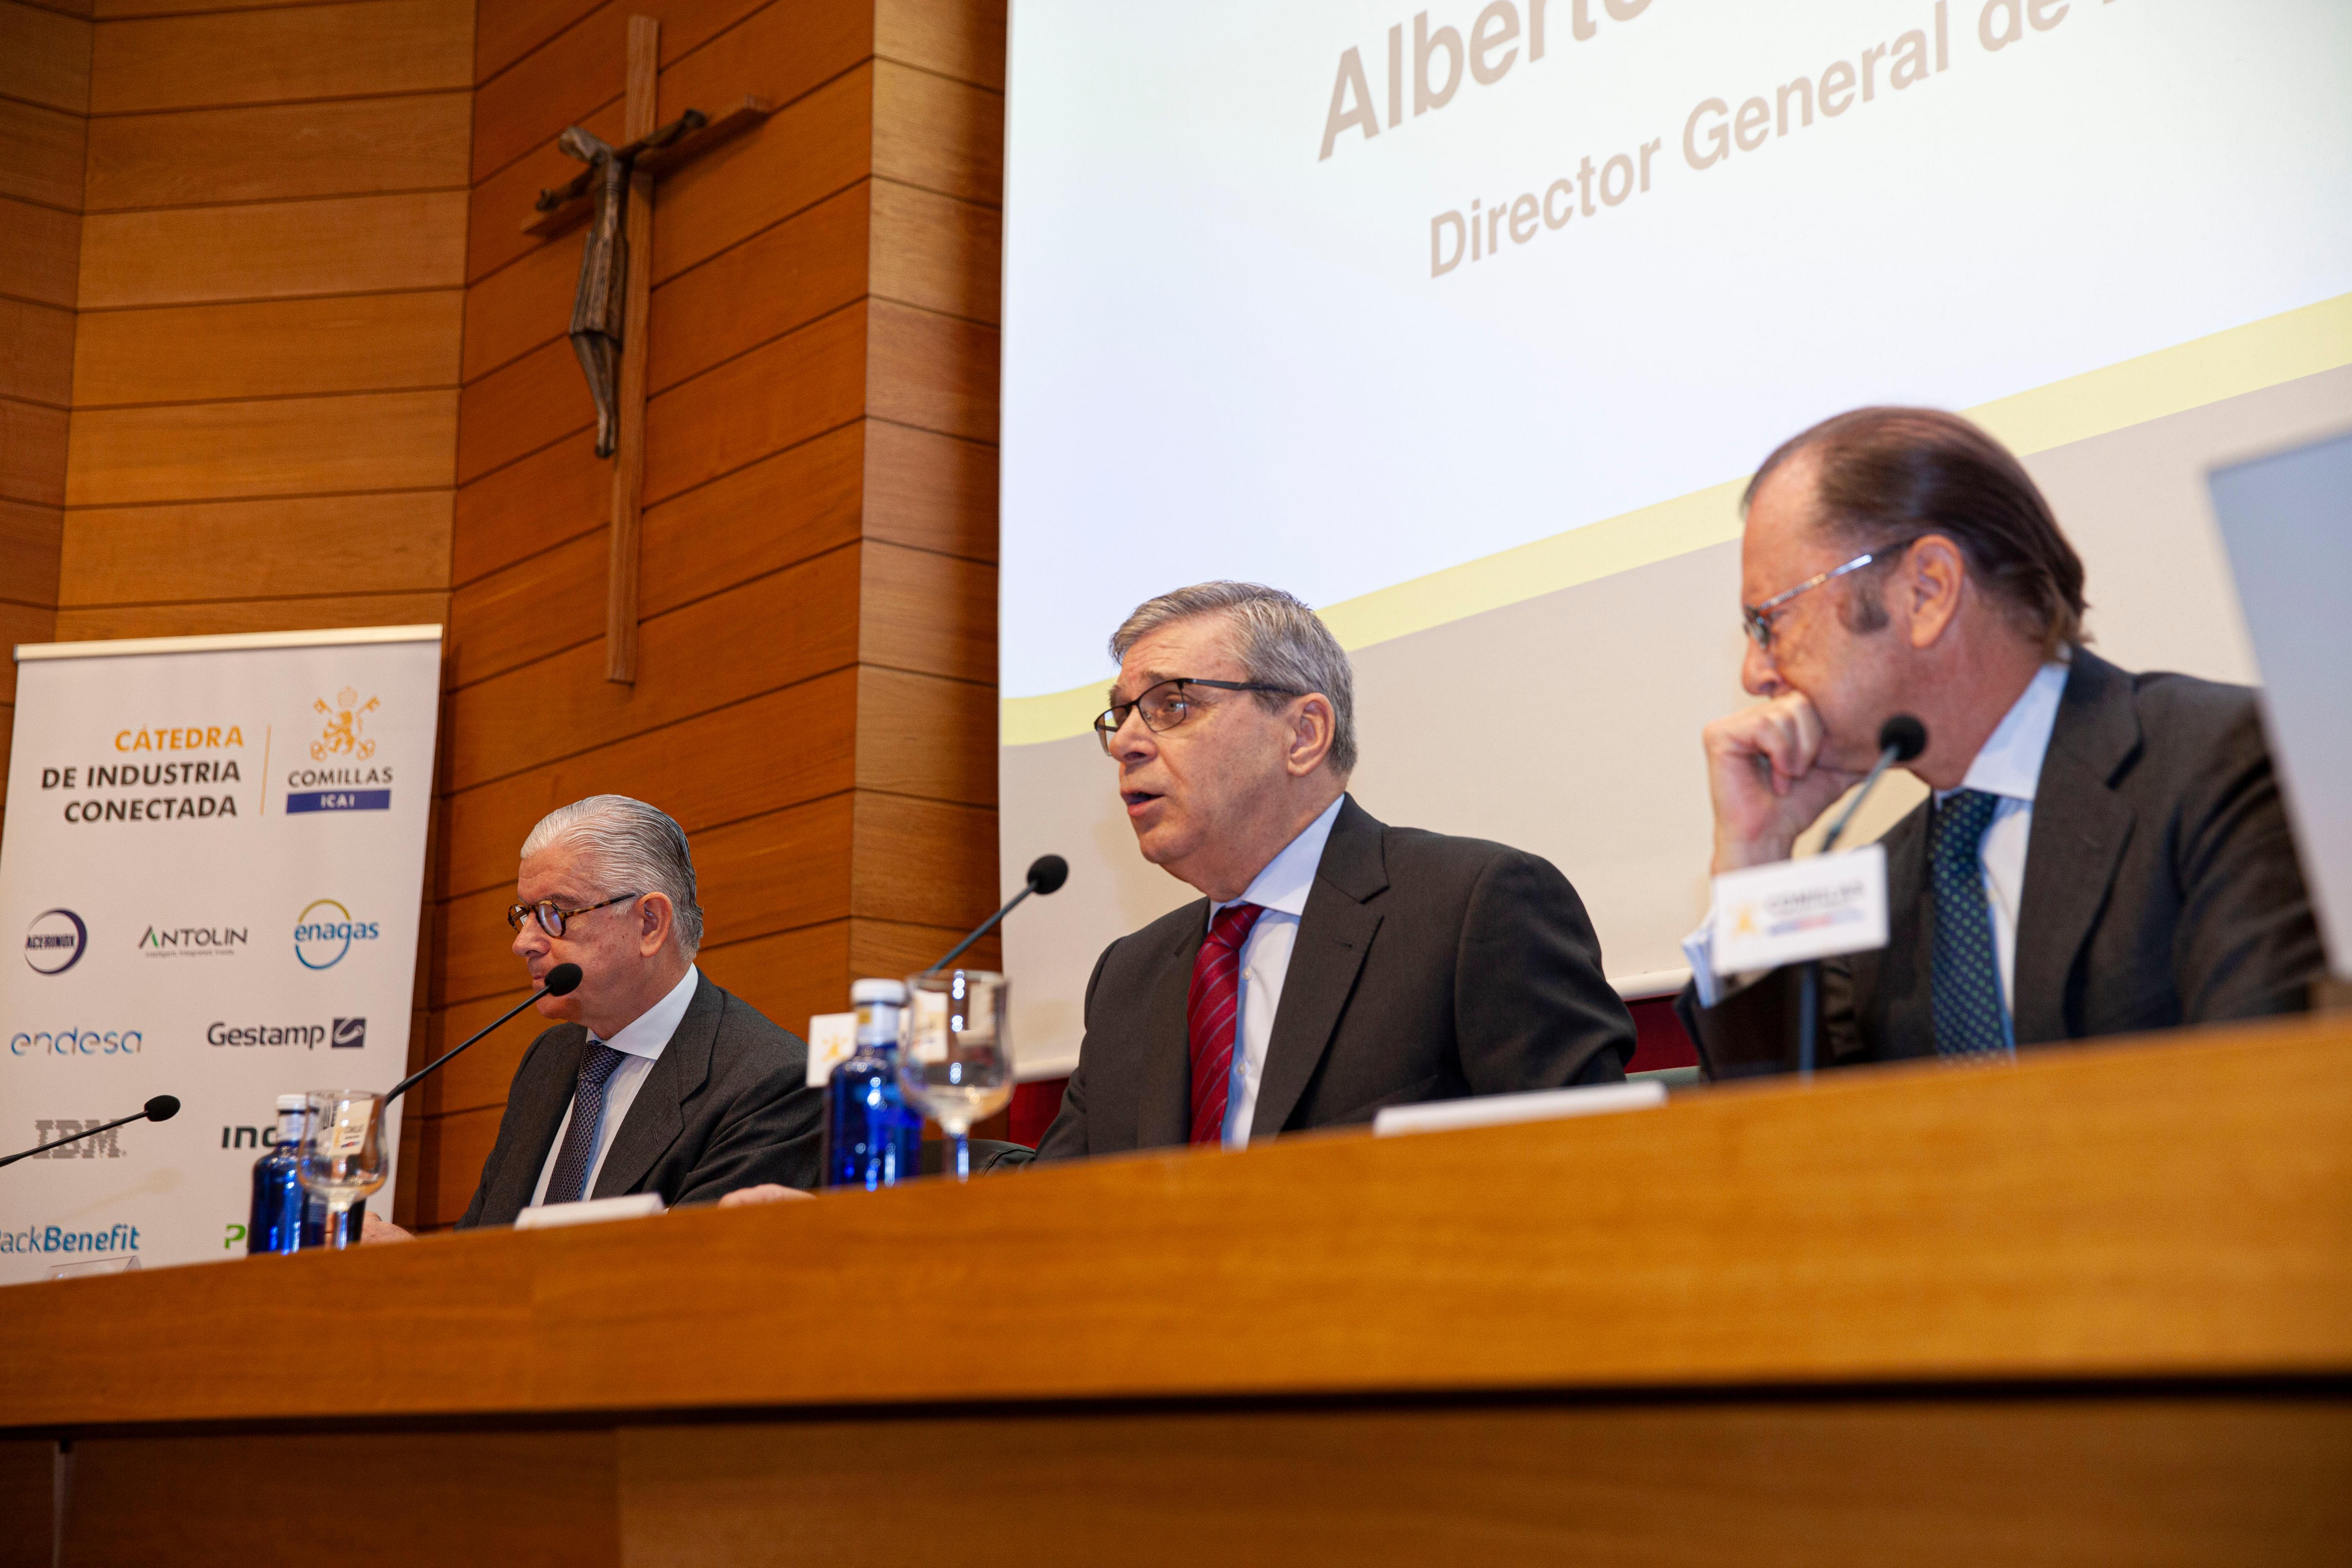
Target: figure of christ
<point>597,310</point>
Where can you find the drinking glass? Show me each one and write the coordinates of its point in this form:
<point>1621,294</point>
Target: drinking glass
<point>342,1158</point>
<point>955,1059</point>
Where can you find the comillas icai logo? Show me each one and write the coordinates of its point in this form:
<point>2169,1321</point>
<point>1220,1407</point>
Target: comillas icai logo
<point>324,933</point>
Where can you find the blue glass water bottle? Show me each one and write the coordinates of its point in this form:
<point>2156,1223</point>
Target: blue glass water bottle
<point>871,1139</point>
<point>277,1196</point>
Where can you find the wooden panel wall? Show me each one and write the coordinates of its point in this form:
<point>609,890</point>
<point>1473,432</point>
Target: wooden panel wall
<point>44,54</point>
<point>815,698</point>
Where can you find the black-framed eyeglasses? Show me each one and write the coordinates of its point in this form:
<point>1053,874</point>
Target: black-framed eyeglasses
<point>1759,617</point>
<point>1163,707</point>
<point>551,919</point>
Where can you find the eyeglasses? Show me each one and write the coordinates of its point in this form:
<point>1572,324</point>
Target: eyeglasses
<point>1165,706</point>
<point>1759,617</point>
<point>551,919</point>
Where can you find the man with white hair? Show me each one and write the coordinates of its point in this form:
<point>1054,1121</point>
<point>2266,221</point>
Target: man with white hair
<point>1334,964</point>
<point>656,1081</point>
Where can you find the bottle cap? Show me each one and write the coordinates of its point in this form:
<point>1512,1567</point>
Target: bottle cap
<point>293,1103</point>
<point>893,992</point>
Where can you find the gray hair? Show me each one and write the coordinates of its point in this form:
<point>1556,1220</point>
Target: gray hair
<point>1279,641</point>
<point>632,846</point>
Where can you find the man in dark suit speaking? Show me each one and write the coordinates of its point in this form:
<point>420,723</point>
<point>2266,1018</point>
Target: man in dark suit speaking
<point>1334,965</point>
<point>658,1081</point>
<point>2103,851</point>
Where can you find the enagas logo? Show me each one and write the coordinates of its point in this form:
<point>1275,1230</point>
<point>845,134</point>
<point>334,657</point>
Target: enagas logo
<point>55,941</point>
<point>324,933</point>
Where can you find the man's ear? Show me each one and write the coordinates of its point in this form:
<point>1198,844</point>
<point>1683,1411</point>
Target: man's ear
<point>655,922</point>
<point>1929,584</point>
<point>1313,724</point>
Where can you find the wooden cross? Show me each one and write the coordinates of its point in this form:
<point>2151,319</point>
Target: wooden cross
<point>646,154</point>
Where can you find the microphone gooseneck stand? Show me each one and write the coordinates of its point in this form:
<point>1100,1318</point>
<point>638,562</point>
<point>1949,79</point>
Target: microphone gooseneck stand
<point>1900,739</point>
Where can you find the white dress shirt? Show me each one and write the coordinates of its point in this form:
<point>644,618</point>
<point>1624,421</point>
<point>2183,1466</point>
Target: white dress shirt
<point>640,1045</point>
<point>2009,766</point>
<point>1281,891</point>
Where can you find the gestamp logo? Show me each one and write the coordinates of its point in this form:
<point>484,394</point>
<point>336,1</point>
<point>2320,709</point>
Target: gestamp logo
<point>55,941</point>
<point>347,1033</point>
<point>324,932</point>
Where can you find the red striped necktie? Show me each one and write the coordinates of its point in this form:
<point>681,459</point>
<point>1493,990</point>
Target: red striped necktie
<point>1211,1012</point>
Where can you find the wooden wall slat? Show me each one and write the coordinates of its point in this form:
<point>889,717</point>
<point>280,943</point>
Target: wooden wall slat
<point>231,550</point>
<point>294,446</point>
<point>450,1153</point>
<point>936,372</point>
<point>505,31</point>
<point>784,509</point>
<point>42,258</point>
<point>33,444</point>
<point>223,615</point>
<point>501,204</point>
<point>44,158</point>
<point>48,57</point>
<point>37,353</point>
<point>937,252</point>
<point>782,747</point>
<point>923,860</point>
<point>784,391</point>
<point>539,607</point>
<point>522,306</point>
<point>784,277</point>
<point>537,400</point>
<point>961,38</point>
<point>806,152</point>
<point>926,735</point>
<point>806,618</point>
<point>21,623</point>
<point>273,349</point>
<point>944,136</point>
<point>280,151</point>
<point>930,491</point>
<point>123,10</point>
<point>30,538</point>
<point>528,506</point>
<point>933,613</point>
<point>275,250</point>
<point>213,60</point>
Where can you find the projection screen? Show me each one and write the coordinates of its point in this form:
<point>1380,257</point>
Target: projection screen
<point>1465,324</point>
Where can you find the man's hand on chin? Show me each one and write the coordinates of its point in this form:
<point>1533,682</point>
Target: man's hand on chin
<point>374,1230</point>
<point>1767,780</point>
<point>765,1193</point>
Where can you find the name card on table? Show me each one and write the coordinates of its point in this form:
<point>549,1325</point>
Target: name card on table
<point>831,1040</point>
<point>590,1211</point>
<point>1819,906</point>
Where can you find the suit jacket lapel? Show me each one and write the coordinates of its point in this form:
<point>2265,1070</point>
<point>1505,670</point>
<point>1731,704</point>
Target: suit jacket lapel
<point>535,1108</point>
<point>1163,1110</point>
<point>2080,829</point>
<point>655,1119</point>
<point>1334,935</point>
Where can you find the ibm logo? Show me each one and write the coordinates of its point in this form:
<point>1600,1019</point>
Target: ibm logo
<point>88,1149</point>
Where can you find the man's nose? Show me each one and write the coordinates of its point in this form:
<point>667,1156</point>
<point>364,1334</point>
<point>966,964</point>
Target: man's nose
<point>1133,741</point>
<point>1758,675</point>
<point>528,940</point>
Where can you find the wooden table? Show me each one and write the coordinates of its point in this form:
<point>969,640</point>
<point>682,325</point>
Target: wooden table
<point>2094,1308</point>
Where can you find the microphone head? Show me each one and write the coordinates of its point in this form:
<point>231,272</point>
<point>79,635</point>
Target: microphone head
<point>1904,735</point>
<point>562,979</point>
<point>1047,873</point>
<point>162,1108</point>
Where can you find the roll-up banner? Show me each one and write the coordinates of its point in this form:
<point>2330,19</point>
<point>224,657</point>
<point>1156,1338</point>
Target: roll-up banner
<point>212,873</point>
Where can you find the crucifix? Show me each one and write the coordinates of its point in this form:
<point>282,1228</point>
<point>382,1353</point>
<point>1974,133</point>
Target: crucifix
<point>615,196</point>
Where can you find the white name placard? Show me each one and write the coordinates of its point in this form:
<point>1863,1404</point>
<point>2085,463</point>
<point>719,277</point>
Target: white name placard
<point>831,1040</point>
<point>1819,906</point>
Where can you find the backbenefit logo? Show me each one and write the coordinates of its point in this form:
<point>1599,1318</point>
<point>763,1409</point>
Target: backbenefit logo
<point>324,932</point>
<point>56,942</point>
<point>64,1238</point>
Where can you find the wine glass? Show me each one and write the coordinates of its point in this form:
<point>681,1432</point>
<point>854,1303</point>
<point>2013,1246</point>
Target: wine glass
<point>342,1159</point>
<point>955,1063</point>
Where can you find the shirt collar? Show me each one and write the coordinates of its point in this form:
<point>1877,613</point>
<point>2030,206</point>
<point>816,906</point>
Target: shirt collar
<point>2010,763</point>
<point>650,1031</point>
<point>1289,877</point>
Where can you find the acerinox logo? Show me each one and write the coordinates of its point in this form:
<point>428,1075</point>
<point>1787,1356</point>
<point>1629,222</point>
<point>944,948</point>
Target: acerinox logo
<point>322,944</point>
<point>55,941</point>
<point>63,1238</point>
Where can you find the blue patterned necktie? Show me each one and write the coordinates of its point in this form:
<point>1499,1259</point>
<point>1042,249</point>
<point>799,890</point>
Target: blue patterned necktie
<point>1969,1020</point>
<point>572,1166</point>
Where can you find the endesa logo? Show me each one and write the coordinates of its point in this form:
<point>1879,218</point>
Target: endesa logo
<point>122,1237</point>
<point>91,1042</point>
<point>55,941</point>
<point>324,932</point>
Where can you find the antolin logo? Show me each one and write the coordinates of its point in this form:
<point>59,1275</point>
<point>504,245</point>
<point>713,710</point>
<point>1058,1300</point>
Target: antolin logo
<point>191,942</point>
<point>64,1238</point>
<point>324,932</point>
<point>55,941</point>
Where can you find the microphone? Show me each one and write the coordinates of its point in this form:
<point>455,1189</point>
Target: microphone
<point>1046,875</point>
<point>562,981</point>
<point>162,1108</point>
<point>1900,739</point>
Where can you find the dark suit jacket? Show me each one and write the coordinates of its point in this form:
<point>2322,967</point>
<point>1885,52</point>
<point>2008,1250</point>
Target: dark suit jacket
<point>1424,968</point>
<point>727,1105</point>
<point>2161,888</point>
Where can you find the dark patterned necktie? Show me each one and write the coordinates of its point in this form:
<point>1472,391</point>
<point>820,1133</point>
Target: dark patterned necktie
<point>1969,1020</point>
<point>572,1165</point>
<point>1210,1011</point>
